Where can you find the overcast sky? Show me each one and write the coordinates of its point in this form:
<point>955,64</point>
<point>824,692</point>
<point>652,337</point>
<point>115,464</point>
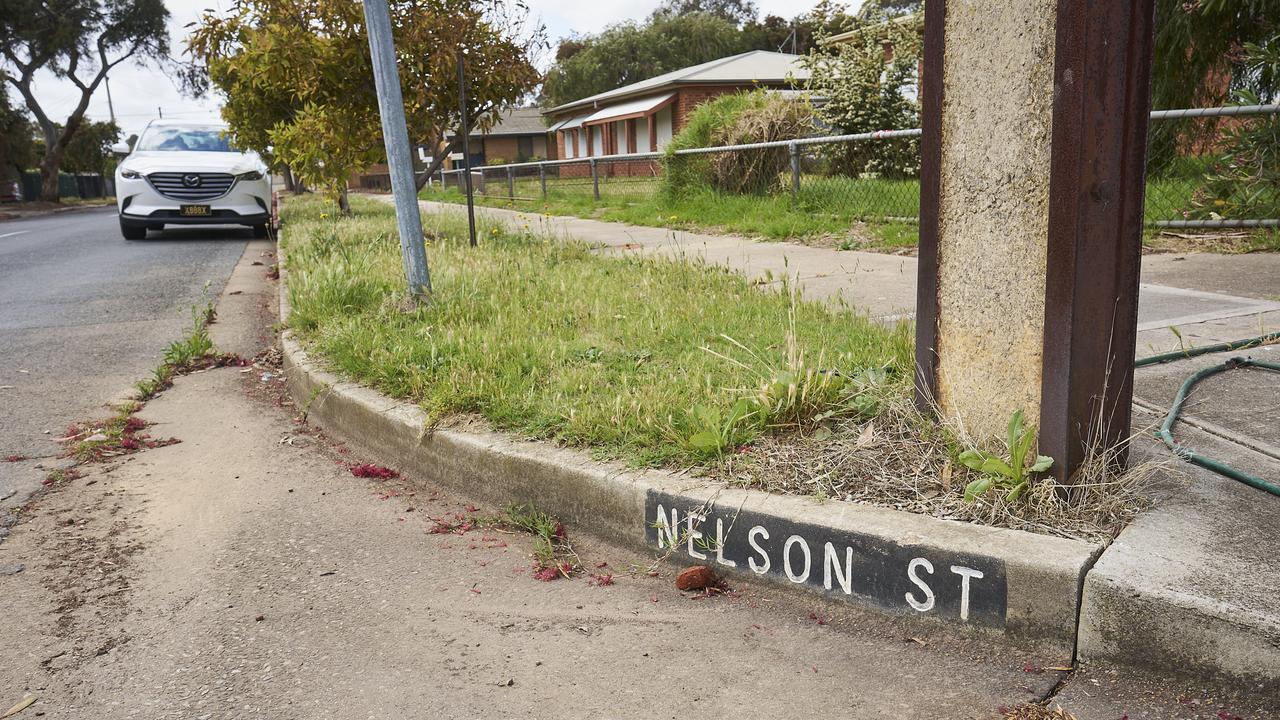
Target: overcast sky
<point>140,94</point>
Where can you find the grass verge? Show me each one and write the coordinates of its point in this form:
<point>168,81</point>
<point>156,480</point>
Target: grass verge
<point>809,219</point>
<point>655,361</point>
<point>827,212</point>
<point>659,362</point>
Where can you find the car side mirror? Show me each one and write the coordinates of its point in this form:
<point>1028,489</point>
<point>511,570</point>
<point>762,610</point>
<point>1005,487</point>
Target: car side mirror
<point>120,149</point>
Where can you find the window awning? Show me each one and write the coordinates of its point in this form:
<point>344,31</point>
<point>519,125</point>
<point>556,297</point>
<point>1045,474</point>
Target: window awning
<point>571,123</point>
<point>626,110</point>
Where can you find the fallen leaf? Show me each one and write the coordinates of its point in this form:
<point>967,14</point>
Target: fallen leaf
<point>23,704</point>
<point>867,436</point>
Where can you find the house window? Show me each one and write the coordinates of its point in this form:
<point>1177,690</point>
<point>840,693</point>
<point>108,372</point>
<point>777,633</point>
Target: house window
<point>524,149</point>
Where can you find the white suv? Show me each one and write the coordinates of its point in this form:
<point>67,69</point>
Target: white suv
<point>189,174</point>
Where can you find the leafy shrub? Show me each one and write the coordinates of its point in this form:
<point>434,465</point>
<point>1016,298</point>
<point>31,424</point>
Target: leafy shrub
<point>865,91</point>
<point>1244,182</point>
<point>737,119</point>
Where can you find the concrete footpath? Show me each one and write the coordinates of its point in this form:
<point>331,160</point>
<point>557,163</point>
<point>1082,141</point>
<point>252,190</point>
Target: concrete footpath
<point>244,572</point>
<point>1183,588</point>
<point>1178,290</point>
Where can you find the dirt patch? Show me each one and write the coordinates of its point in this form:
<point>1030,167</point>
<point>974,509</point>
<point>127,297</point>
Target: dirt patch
<point>903,462</point>
<point>1223,242</point>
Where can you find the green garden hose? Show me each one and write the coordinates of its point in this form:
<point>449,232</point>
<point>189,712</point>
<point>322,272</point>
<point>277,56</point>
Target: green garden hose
<point>1206,349</point>
<point>1165,432</point>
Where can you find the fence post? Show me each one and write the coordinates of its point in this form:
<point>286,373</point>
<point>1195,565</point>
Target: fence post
<point>542,178</point>
<point>442,176</point>
<point>595,179</point>
<point>795,168</point>
<point>511,183</point>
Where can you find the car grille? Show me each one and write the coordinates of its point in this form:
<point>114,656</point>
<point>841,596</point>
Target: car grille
<point>191,187</point>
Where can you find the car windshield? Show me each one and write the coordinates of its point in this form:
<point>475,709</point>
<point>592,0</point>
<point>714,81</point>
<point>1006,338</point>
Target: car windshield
<point>200,139</point>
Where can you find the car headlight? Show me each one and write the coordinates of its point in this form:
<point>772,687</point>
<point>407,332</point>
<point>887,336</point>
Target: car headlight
<point>251,175</point>
<point>130,174</point>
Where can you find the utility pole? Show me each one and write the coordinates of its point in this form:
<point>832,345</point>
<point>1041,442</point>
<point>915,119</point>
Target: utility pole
<point>111,108</point>
<point>466,145</point>
<point>395,136</point>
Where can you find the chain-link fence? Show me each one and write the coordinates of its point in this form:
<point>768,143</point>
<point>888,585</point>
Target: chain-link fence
<point>1199,174</point>
<point>1214,167</point>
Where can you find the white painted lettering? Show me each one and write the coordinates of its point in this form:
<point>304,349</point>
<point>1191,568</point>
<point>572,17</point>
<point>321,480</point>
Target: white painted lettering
<point>965,573</point>
<point>843,575</point>
<point>758,568</point>
<point>665,528</point>
<point>786,559</point>
<point>916,564</point>
<point>720,545</point>
<point>692,521</point>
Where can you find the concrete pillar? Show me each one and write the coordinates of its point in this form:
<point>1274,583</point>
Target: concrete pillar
<point>1031,199</point>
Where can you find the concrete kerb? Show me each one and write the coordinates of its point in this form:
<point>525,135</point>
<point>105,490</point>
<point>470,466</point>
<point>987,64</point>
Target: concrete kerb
<point>998,581</point>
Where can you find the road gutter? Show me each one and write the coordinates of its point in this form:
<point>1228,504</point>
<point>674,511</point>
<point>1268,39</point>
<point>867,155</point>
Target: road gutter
<point>1000,582</point>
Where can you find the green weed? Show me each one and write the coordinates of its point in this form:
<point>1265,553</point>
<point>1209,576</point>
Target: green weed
<point>1011,475</point>
<point>551,549</point>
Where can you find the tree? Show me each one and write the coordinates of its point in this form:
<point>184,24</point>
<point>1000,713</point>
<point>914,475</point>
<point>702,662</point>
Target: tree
<point>798,35</point>
<point>1244,181</point>
<point>299,85</point>
<point>631,52</point>
<point>738,12</point>
<point>1199,60</point>
<point>79,41</point>
<point>865,89</point>
<point>17,137</point>
<point>90,149</point>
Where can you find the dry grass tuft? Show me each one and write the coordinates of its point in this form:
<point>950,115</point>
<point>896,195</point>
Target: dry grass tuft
<point>903,461</point>
<point>1035,711</point>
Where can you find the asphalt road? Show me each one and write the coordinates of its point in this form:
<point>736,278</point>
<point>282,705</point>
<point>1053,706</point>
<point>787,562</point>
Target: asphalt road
<point>84,314</point>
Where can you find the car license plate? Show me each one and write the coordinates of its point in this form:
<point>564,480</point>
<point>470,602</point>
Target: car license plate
<point>195,211</point>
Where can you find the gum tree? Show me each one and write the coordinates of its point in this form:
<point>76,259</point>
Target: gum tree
<point>79,41</point>
<point>298,81</point>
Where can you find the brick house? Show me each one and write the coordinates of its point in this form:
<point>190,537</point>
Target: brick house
<point>644,116</point>
<point>519,136</point>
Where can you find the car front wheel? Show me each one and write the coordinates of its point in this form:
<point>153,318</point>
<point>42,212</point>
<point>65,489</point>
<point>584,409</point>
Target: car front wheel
<point>132,231</point>
<point>259,231</point>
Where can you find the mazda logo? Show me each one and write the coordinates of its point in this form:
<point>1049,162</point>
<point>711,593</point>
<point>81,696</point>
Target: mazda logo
<point>191,180</point>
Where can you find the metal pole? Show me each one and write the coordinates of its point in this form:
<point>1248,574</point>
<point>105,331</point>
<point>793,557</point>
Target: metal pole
<point>795,168</point>
<point>466,147</point>
<point>595,179</point>
<point>395,136</point>
<point>111,107</point>
<point>511,183</point>
<point>542,178</point>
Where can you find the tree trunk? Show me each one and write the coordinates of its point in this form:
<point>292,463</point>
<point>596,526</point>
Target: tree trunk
<point>55,147</point>
<point>49,166</point>
<point>344,204</point>
<point>288,179</point>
